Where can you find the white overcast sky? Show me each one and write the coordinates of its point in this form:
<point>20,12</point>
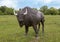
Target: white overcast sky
<point>31,3</point>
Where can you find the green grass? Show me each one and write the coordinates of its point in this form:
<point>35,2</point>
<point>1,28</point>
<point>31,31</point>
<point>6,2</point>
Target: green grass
<point>11,32</point>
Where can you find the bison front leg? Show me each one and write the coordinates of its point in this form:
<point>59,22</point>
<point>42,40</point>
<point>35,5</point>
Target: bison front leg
<point>35,29</point>
<point>42,22</point>
<point>26,30</point>
<point>38,27</point>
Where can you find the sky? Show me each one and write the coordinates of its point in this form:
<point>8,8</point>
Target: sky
<point>16,4</point>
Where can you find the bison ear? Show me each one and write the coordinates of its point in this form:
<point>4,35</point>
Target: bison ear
<point>25,12</point>
<point>15,12</point>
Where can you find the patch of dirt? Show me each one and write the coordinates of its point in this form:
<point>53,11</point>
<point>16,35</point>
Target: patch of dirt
<point>35,39</point>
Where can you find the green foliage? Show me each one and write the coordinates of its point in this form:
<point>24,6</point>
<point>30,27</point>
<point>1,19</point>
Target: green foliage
<point>3,8</point>
<point>1,13</point>
<point>59,11</point>
<point>34,8</point>
<point>44,9</point>
<point>53,11</point>
<point>50,11</point>
<point>6,11</point>
<point>47,11</point>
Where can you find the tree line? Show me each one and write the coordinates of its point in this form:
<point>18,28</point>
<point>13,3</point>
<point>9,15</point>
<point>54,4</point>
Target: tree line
<point>6,10</point>
<point>47,11</point>
<point>50,11</point>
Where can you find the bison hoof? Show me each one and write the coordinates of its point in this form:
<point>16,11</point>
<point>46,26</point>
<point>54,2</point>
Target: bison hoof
<point>36,35</point>
<point>25,34</point>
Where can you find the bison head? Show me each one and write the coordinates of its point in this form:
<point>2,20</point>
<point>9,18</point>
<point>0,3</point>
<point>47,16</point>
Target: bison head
<point>20,18</point>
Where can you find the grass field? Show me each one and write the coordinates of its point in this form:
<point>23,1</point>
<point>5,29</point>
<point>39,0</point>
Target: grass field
<point>11,32</point>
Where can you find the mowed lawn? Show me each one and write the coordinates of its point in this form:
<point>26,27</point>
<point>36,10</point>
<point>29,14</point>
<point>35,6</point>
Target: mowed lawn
<point>11,32</point>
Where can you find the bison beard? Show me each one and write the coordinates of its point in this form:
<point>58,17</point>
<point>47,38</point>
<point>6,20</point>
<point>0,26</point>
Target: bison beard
<point>21,23</point>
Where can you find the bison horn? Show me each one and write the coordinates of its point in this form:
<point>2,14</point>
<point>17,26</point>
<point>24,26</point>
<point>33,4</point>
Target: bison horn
<point>25,12</point>
<point>15,13</point>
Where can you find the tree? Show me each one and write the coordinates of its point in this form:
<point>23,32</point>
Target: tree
<point>53,11</point>
<point>9,11</point>
<point>34,8</point>
<point>59,11</point>
<point>1,13</point>
<point>44,9</point>
<point>6,11</point>
<point>3,8</point>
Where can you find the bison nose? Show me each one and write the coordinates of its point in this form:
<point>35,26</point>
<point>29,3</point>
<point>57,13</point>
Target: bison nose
<point>21,23</point>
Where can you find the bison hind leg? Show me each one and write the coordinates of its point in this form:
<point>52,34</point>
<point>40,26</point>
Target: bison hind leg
<point>26,30</point>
